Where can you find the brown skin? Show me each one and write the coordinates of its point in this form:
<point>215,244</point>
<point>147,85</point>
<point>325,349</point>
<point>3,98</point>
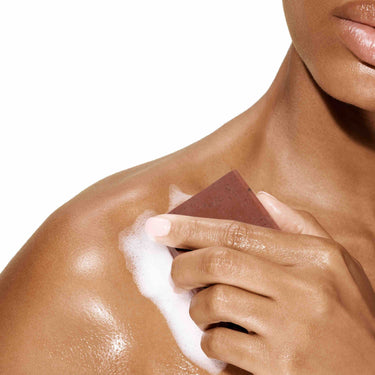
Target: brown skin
<point>306,301</point>
<point>67,297</point>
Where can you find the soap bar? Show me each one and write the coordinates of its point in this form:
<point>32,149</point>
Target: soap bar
<point>229,198</point>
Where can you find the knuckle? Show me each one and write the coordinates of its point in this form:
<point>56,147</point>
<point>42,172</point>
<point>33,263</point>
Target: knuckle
<point>176,273</point>
<point>216,261</point>
<point>212,342</point>
<point>215,300</point>
<point>210,302</point>
<point>307,219</point>
<point>300,225</point>
<point>194,306</point>
<point>334,256</point>
<point>235,234</point>
<point>186,232</point>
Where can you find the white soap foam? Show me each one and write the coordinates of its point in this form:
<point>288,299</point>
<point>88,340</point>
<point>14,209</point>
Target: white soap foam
<point>150,264</point>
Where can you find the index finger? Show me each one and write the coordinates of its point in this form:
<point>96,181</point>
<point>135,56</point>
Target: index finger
<point>190,232</point>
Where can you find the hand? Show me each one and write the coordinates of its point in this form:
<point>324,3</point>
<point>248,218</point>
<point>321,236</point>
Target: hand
<point>305,301</point>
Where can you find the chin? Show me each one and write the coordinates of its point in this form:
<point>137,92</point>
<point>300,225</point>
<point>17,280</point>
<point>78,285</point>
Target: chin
<point>363,88</point>
<point>352,82</point>
<point>365,103</point>
<point>360,93</point>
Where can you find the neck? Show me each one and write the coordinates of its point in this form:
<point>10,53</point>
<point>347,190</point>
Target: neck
<point>309,145</point>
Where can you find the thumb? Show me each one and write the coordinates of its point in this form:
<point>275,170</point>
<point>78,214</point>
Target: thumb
<point>290,219</point>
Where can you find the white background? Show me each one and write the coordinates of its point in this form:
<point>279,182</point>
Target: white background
<point>89,88</point>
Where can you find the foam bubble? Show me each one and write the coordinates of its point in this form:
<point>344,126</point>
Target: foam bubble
<point>150,264</point>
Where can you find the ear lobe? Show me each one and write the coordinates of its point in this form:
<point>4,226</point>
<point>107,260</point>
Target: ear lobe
<point>289,219</point>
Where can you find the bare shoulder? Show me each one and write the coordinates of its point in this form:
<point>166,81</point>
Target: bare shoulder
<point>69,302</point>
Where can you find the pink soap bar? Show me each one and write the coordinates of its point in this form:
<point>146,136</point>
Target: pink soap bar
<point>229,198</point>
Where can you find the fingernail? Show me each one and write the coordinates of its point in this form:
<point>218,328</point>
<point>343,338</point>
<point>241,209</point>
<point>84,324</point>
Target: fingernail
<point>157,226</point>
<point>271,203</point>
<point>267,194</point>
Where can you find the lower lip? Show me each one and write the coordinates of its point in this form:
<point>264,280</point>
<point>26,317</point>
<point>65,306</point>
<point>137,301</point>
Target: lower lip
<point>358,38</point>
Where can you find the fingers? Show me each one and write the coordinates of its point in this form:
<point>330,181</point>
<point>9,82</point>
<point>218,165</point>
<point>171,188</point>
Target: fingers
<point>246,351</point>
<point>289,219</point>
<point>224,303</point>
<point>217,265</point>
<point>189,232</point>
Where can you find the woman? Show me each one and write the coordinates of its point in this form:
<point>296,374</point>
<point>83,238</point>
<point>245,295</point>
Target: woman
<point>69,304</point>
